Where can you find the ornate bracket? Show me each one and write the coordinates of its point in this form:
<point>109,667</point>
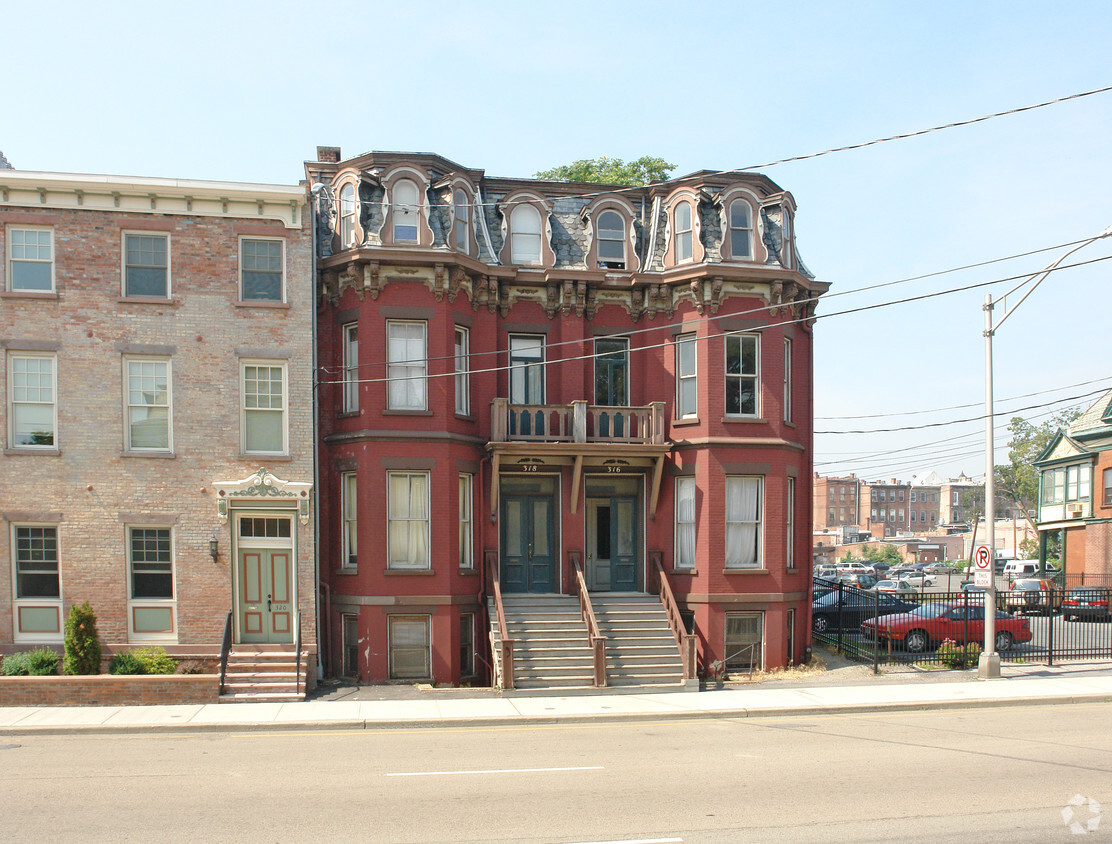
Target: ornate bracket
<point>262,486</point>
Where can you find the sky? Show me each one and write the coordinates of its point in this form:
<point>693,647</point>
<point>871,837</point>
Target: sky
<point>246,91</point>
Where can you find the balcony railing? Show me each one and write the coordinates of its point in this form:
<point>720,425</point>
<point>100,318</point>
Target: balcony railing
<point>577,422</point>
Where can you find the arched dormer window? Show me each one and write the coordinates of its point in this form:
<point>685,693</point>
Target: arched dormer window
<point>347,216</point>
<point>741,229</point>
<point>684,232</point>
<point>405,211</point>
<point>611,241</point>
<point>525,235</point>
<point>462,228</point>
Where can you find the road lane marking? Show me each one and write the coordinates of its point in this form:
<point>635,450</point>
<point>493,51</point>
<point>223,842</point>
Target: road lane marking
<point>635,841</point>
<point>492,771</point>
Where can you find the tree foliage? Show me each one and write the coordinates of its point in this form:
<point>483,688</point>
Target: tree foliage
<point>611,171</point>
<point>881,552</point>
<point>82,646</point>
<point>1017,480</point>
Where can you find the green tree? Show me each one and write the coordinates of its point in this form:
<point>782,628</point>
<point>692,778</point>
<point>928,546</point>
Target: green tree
<point>1017,481</point>
<point>610,171</point>
<point>82,646</point>
<point>881,553</point>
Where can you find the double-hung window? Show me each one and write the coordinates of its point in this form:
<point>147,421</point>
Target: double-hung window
<point>685,523</point>
<point>787,380</point>
<point>348,210</point>
<point>1077,483</point>
<point>463,368</point>
<point>350,339</point>
<point>264,407</point>
<point>147,265</point>
<point>406,365</point>
<point>408,522</point>
<point>36,562</point>
<point>405,211</point>
<point>462,225</point>
<point>612,371</point>
<point>32,406</point>
<point>742,375</point>
<point>687,387</point>
<point>741,229</point>
<point>1108,487</point>
<point>526,369</point>
<point>31,260</point>
<point>789,538</point>
<point>350,504</point>
<point>684,232</point>
<point>150,563</point>
<point>1053,486</point>
<point>744,640</point>
<point>261,269</point>
<point>148,425</point>
<point>466,523</point>
<point>410,654</point>
<point>611,241</point>
<point>743,522</point>
<point>525,235</point>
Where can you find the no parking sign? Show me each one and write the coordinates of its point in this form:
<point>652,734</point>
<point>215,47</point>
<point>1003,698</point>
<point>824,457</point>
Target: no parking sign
<point>982,566</point>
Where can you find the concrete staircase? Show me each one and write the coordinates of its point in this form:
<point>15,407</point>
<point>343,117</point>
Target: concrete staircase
<point>262,673</point>
<point>552,652</point>
<point>640,648</point>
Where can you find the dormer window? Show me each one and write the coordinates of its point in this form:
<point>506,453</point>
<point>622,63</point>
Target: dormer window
<point>347,216</point>
<point>741,229</point>
<point>405,211</point>
<point>611,241</point>
<point>683,232</point>
<point>463,222</point>
<point>525,235</point>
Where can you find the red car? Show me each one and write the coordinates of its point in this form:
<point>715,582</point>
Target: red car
<point>930,624</point>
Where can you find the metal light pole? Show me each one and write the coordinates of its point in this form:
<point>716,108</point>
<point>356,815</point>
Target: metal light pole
<point>988,666</point>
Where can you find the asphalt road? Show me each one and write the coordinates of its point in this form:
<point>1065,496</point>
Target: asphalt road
<point>966,775</point>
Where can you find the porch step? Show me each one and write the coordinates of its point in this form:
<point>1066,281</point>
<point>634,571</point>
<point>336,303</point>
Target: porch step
<point>640,647</point>
<point>263,673</point>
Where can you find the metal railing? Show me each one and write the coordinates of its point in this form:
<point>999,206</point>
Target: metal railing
<point>505,657</point>
<point>684,640</point>
<point>597,640</point>
<point>720,668</point>
<point>225,649</point>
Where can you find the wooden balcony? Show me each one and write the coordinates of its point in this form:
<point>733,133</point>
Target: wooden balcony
<point>577,422</point>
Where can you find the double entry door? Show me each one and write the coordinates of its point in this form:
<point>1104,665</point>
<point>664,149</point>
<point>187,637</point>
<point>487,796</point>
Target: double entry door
<point>528,534</point>
<point>265,599</point>
<point>613,539</point>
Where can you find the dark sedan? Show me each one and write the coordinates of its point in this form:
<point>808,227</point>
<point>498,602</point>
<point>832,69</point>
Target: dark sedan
<point>846,611</point>
<point>1086,602</point>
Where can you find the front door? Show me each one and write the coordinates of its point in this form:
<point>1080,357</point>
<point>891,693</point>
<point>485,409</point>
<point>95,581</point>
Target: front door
<point>527,562</point>
<point>612,543</point>
<point>265,603</point>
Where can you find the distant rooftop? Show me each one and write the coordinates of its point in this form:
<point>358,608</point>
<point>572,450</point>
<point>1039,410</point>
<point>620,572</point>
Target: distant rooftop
<point>4,163</point>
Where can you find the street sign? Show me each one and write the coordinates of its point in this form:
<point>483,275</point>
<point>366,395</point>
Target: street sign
<point>982,566</point>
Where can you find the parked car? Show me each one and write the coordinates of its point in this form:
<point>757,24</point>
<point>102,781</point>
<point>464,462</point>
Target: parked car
<point>898,572</point>
<point>895,587</point>
<point>926,626</point>
<point>1033,595</point>
<point>826,572</point>
<point>881,569</point>
<point>855,567</point>
<point>917,578</point>
<point>938,568</point>
<point>850,607</point>
<point>1021,568</point>
<point>861,581</point>
<point>1086,602</point>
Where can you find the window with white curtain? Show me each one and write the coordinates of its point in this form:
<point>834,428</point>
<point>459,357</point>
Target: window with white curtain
<point>405,365</point>
<point>351,366</point>
<point>682,219</point>
<point>408,522</point>
<point>525,235</point>
<point>789,539</point>
<point>349,492</point>
<point>685,523</point>
<point>743,522</point>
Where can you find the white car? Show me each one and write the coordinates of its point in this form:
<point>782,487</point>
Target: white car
<point>855,568</point>
<point>917,578</point>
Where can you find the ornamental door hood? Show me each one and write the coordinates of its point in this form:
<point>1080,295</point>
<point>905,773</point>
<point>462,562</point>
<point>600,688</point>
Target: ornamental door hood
<point>263,486</point>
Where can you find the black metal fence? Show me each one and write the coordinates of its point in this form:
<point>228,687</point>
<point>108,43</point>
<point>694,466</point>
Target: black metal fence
<point>924,626</point>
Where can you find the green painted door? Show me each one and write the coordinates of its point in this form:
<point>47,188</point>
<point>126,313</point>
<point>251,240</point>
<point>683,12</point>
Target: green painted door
<point>265,595</point>
<point>612,544</point>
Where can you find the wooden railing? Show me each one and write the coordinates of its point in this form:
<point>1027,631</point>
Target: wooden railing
<point>685,640</point>
<point>577,422</point>
<point>505,644</point>
<point>594,635</point>
<point>225,648</point>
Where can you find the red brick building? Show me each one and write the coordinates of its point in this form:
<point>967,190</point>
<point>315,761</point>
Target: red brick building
<point>155,373</point>
<point>531,390</point>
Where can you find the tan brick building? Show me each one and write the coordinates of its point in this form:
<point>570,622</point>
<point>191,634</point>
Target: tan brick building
<point>156,348</point>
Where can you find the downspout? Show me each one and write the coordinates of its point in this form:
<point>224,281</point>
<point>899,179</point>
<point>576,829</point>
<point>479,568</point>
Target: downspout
<point>484,612</point>
<point>322,641</point>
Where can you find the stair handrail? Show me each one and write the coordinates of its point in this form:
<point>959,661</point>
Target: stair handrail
<point>297,655</point>
<point>225,648</point>
<point>685,640</point>
<point>506,644</point>
<point>594,635</point>
<point>495,662</point>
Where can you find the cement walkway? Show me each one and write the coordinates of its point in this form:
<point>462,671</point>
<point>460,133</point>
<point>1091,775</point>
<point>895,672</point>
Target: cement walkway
<point>1061,687</point>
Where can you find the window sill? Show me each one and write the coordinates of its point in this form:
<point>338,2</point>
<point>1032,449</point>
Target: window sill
<point>158,455</point>
<point>684,572</point>
<point>417,572</point>
<point>687,420</point>
<point>148,300</point>
<point>28,294</point>
<point>349,414</point>
<point>788,423</point>
<point>469,572</point>
<point>390,412</point>
<point>253,303</point>
<point>744,420</point>
<point>15,452</point>
<point>746,571</point>
<point>346,572</point>
<point>262,455</point>
<point>465,417</point>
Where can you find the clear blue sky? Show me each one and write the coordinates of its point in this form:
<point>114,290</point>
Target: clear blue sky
<point>246,91</point>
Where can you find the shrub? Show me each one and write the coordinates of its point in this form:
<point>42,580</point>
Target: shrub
<point>125,662</point>
<point>37,663</point>
<point>953,655</point>
<point>82,644</point>
<point>152,660</point>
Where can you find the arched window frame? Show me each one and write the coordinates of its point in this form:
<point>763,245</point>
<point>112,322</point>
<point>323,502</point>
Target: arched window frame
<point>510,206</point>
<point>461,219</point>
<point>390,182</point>
<point>729,199</point>
<point>405,213</point>
<point>598,256</point>
<point>741,236</point>
<point>347,224</point>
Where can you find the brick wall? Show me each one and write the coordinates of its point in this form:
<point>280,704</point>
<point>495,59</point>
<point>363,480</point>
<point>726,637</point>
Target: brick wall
<point>109,690</point>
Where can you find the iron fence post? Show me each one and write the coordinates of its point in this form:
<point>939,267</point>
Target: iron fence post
<point>841,612</point>
<point>876,632</point>
<point>1050,628</point>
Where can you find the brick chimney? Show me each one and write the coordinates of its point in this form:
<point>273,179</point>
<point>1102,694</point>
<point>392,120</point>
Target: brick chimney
<point>328,155</point>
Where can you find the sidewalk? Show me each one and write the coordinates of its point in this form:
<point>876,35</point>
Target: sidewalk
<point>1027,685</point>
